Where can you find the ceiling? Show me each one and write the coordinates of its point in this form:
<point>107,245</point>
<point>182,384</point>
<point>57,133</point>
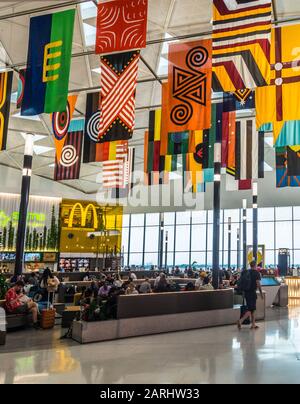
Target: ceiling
<point>167,18</point>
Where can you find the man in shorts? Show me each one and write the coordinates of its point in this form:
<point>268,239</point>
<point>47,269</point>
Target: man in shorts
<point>14,304</point>
<point>251,297</point>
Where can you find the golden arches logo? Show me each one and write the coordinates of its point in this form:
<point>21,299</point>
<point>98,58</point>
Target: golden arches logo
<point>83,213</point>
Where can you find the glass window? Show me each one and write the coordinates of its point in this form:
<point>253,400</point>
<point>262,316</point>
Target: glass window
<point>249,215</point>
<point>198,258</point>
<point>125,237</point>
<point>126,220</point>
<point>169,218</point>
<point>233,213</point>
<point>199,237</point>
<point>182,258</point>
<point>249,234</point>
<point>266,214</point>
<point>284,237</point>
<point>151,259</point>
<point>209,259</point>
<point>283,214</point>
<point>209,237</point>
<point>297,212</point>
<point>170,230</point>
<point>170,260</point>
<point>137,220</point>
<point>152,219</point>
<point>151,239</point>
<point>136,259</point>
<point>297,258</point>
<point>199,216</point>
<point>297,235</point>
<point>183,238</point>
<point>269,257</point>
<point>183,217</point>
<point>210,216</point>
<point>137,239</point>
<point>266,235</point>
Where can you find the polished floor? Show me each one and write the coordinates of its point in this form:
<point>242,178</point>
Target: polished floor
<point>219,355</point>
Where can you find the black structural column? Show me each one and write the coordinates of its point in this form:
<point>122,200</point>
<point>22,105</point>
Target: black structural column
<point>238,248</point>
<point>229,242</point>
<point>255,221</point>
<point>26,178</point>
<point>217,214</point>
<point>244,234</point>
<point>161,241</point>
<point>166,250</point>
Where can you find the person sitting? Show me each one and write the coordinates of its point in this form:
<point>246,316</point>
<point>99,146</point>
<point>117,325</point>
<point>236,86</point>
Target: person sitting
<point>207,285</point>
<point>132,276</point>
<point>199,281</point>
<point>16,304</point>
<point>162,285</point>
<point>118,282</point>
<point>93,289</point>
<point>104,290</point>
<point>33,280</point>
<point>131,290</point>
<point>145,287</point>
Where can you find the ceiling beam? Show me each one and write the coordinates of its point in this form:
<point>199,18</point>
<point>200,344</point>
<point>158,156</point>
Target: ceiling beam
<point>42,9</point>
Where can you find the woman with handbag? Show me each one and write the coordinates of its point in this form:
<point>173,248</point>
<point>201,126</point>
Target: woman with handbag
<point>49,285</point>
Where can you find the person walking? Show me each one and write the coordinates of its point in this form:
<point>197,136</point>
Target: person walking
<point>250,282</point>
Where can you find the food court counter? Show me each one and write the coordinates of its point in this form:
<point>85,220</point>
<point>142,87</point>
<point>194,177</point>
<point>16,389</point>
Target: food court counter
<point>293,283</point>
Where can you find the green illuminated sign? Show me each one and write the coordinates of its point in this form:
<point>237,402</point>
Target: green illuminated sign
<point>33,219</point>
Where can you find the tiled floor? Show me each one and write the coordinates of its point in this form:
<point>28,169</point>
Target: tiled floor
<point>218,355</point>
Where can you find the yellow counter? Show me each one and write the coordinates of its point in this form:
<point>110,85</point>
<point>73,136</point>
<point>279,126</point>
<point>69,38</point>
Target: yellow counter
<point>294,286</point>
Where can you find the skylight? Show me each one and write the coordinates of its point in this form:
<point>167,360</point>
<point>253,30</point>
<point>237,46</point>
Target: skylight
<point>37,137</point>
<point>42,149</point>
<point>29,118</point>
<point>163,61</point>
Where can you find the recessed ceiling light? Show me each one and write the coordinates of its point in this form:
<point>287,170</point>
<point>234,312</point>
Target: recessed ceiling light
<point>97,70</point>
<point>36,137</point>
<point>42,149</point>
<point>29,118</point>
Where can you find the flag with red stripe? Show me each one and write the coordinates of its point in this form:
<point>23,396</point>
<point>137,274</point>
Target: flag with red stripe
<point>117,97</point>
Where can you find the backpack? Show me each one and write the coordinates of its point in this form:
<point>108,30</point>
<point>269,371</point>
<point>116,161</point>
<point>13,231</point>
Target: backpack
<point>244,284</point>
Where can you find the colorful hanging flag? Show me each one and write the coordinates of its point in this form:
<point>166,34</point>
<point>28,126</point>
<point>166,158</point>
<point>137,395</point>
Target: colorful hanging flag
<point>115,173</point>
<point>241,44</point>
<point>187,101</point>
<point>5,96</point>
<point>117,96</point>
<point>119,193</point>
<point>249,151</point>
<point>68,166</point>
<point>48,63</point>
<point>21,87</point>
<point>293,161</point>
<point>283,180</point>
<point>121,26</point>
<point>93,150</point>
<point>239,100</point>
<point>285,82</point>
<point>61,123</point>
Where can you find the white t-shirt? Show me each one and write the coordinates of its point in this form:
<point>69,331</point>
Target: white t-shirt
<point>133,276</point>
<point>198,283</point>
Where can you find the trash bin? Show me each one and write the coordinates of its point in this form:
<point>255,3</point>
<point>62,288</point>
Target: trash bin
<point>2,327</point>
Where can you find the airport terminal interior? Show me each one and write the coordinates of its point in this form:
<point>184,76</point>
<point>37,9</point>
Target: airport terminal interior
<point>150,192</point>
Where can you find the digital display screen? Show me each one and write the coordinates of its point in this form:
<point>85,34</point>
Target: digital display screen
<point>269,282</point>
<point>33,257</point>
<point>7,257</point>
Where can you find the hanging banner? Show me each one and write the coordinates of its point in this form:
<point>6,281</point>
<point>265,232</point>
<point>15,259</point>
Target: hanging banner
<point>5,96</point>
<point>249,151</point>
<point>68,166</point>
<point>285,83</point>
<point>48,63</point>
<point>21,88</point>
<point>241,44</point>
<point>117,96</point>
<point>121,26</point>
<point>283,179</point>
<point>187,106</point>
<point>239,100</point>
<point>293,161</point>
<point>61,123</point>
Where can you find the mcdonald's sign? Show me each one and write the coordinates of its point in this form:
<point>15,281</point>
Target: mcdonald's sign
<point>84,211</point>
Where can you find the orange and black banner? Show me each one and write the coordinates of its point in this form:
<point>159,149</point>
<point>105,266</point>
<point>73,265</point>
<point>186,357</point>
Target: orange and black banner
<point>187,106</point>
<point>5,95</point>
